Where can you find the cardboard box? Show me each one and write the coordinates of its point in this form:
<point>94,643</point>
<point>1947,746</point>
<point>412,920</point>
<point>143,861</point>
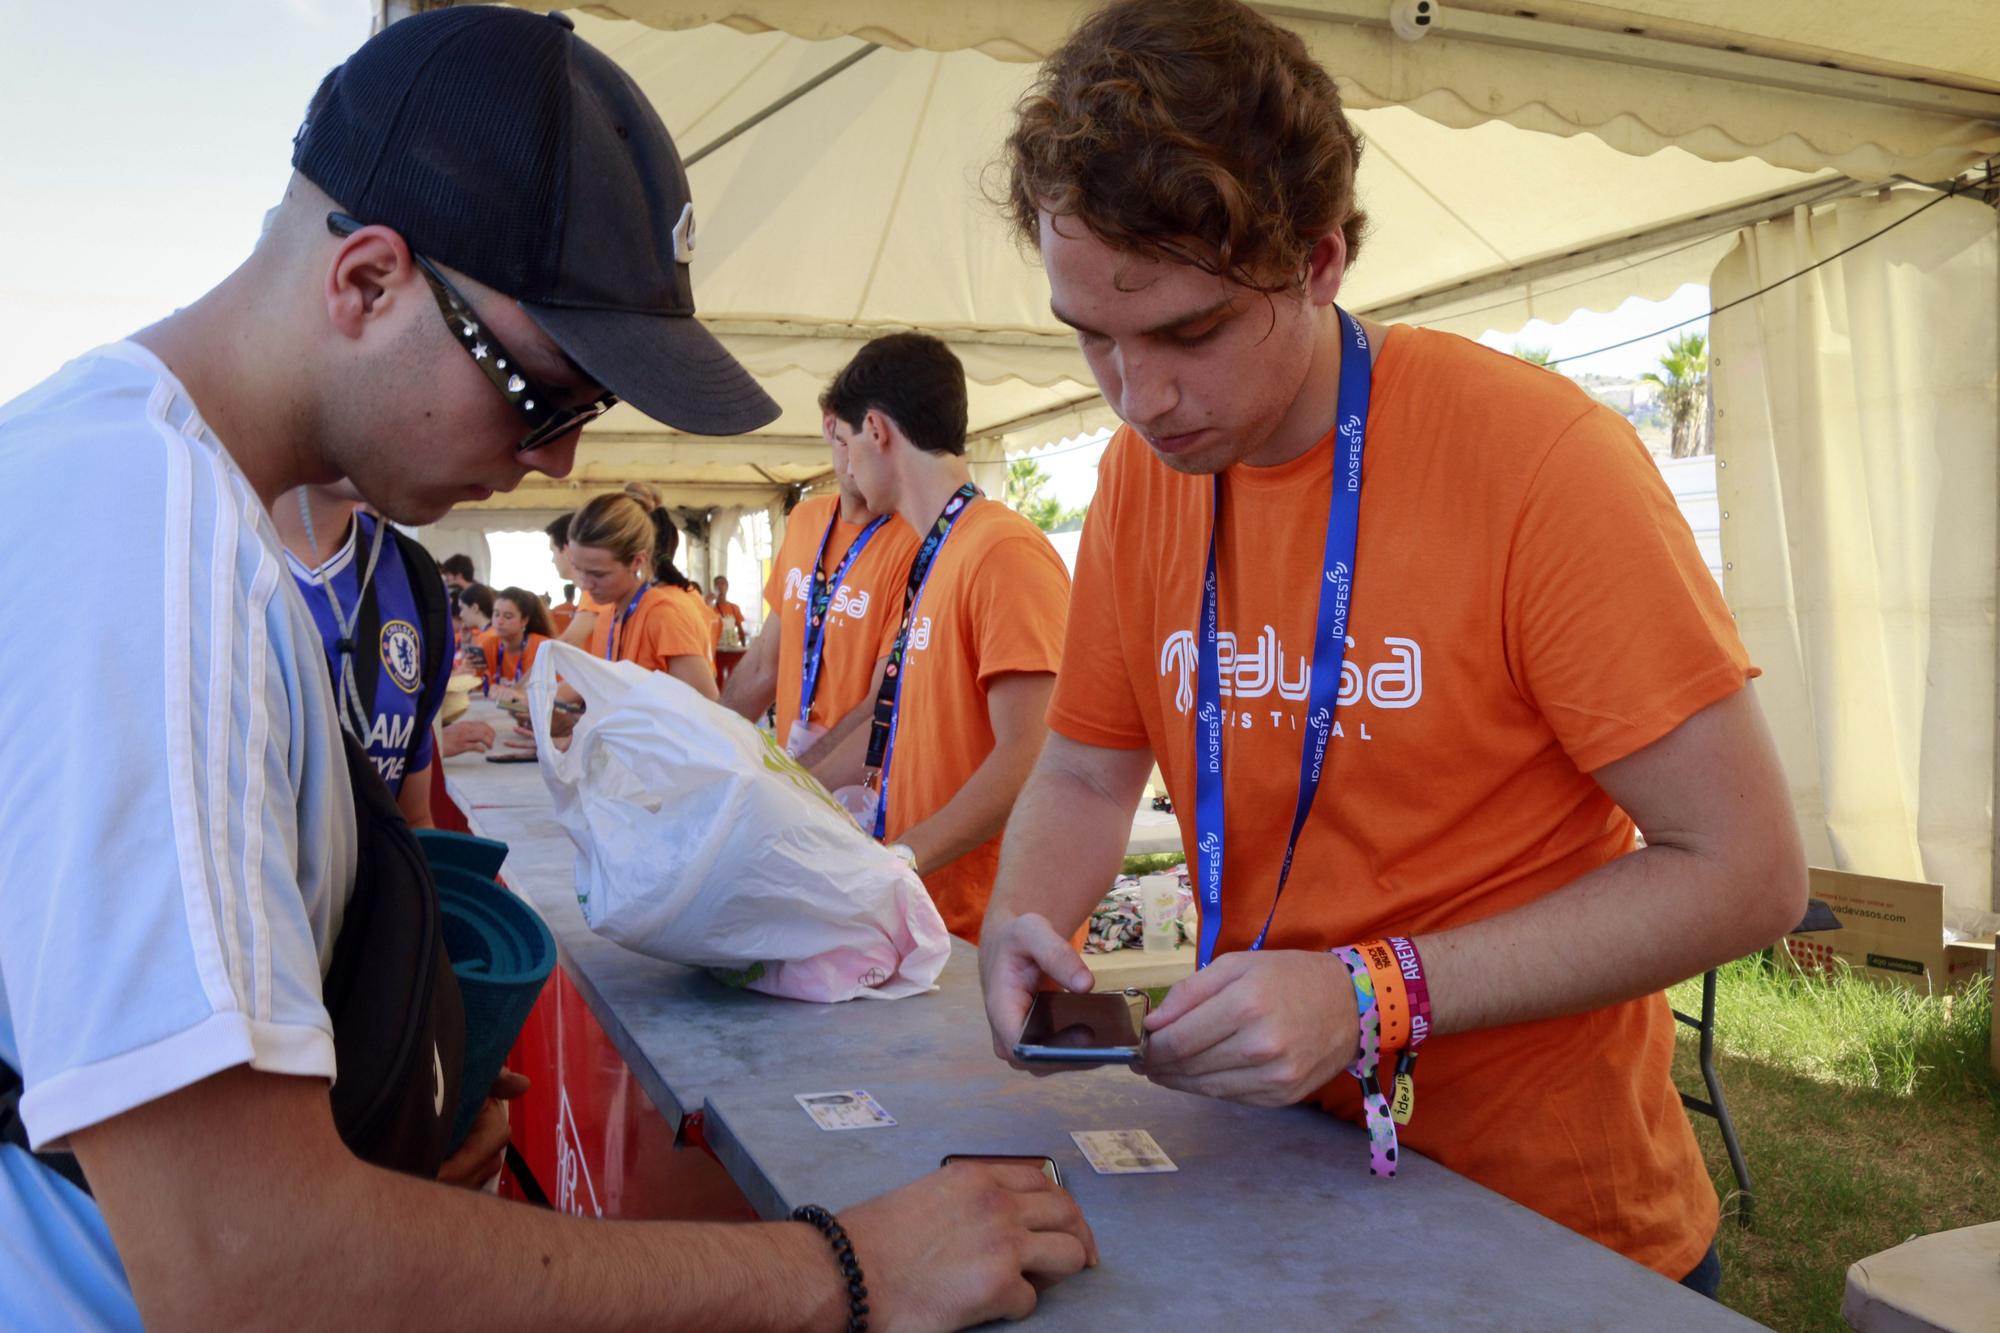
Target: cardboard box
<point>1892,933</point>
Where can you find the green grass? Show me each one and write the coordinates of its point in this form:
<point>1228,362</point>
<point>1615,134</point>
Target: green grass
<point>1867,1116</point>
<point>1152,862</point>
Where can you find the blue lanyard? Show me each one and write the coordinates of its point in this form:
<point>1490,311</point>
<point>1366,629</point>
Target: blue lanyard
<point>520,662</point>
<point>823,589</point>
<point>618,625</point>
<point>1343,523</point>
<point>888,700</point>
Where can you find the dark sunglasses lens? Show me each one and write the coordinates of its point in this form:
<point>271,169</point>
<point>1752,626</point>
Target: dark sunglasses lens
<point>562,423</point>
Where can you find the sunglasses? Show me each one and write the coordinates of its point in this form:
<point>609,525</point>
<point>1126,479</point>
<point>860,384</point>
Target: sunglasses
<point>547,422</point>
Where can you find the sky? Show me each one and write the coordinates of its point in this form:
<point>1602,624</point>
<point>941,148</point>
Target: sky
<point>142,142</point>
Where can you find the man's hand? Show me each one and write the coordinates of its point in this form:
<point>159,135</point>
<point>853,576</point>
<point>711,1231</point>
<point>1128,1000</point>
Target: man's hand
<point>1264,1028</point>
<point>463,735</point>
<point>478,1159</point>
<point>965,1245</point>
<point>1014,957</point>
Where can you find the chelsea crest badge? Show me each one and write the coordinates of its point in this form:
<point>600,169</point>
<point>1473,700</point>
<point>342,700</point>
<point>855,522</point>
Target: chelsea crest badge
<point>402,655</point>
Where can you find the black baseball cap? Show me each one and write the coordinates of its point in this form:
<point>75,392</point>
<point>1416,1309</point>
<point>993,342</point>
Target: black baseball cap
<point>498,142</point>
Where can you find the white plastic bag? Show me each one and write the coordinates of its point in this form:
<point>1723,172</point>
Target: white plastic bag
<point>701,842</point>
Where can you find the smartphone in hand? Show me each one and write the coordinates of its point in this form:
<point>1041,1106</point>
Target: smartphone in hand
<point>1097,1028</point>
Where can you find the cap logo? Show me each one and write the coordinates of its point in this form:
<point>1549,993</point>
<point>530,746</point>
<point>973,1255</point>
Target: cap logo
<point>684,235</point>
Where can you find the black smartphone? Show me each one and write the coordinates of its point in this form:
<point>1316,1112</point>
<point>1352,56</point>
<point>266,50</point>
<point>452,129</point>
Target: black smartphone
<point>1047,1164</point>
<point>1097,1028</point>
<point>510,757</point>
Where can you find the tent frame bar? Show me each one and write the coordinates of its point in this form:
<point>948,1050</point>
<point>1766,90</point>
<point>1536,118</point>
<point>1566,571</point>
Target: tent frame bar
<point>758,118</point>
<point>1667,55</point>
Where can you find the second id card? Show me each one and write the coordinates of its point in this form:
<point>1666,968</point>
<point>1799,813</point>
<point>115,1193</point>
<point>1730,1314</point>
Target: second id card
<point>844,1110</point>
<point>1120,1152</point>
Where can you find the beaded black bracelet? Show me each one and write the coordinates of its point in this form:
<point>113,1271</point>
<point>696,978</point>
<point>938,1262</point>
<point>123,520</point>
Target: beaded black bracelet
<point>843,1253</point>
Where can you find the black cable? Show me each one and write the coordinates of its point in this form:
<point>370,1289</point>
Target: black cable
<point>1956,187</point>
<point>1770,287</point>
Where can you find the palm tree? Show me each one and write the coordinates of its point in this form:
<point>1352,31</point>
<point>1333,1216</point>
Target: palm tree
<point>1684,393</point>
<point>1533,355</point>
<point>1024,493</point>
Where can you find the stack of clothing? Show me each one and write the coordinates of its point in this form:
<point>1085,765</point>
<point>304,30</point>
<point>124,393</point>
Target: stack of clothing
<point>1117,923</point>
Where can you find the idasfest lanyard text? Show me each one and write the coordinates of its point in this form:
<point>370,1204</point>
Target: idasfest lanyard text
<point>1329,651</point>
<point>820,598</point>
<point>888,700</point>
<point>618,625</point>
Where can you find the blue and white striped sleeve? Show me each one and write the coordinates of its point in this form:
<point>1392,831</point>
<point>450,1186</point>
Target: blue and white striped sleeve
<point>176,833</point>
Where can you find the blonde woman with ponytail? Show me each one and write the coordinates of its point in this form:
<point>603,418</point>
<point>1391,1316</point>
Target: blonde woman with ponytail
<point>666,545</point>
<point>613,548</point>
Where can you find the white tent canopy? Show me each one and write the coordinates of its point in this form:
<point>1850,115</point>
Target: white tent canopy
<point>1519,165</point>
<point>1516,168</point>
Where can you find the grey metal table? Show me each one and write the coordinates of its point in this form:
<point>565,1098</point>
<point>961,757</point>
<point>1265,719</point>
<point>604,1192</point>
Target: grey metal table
<point>1254,1223</point>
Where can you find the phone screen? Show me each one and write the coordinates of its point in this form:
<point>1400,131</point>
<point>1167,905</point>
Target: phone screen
<point>1062,1026</point>
<point>1047,1164</point>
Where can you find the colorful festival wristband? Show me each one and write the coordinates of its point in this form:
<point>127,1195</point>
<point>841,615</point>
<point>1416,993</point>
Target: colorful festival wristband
<point>1411,964</point>
<point>1374,1106</point>
<point>1403,1091</point>
<point>1392,1002</point>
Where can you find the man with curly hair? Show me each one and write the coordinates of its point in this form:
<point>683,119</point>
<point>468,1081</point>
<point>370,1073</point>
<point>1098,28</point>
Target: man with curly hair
<point>1408,625</point>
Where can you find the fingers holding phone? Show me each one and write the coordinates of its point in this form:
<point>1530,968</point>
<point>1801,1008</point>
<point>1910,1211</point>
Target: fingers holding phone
<point>1019,957</point>
<point>974,1242</point>
<point>1092,1029</point>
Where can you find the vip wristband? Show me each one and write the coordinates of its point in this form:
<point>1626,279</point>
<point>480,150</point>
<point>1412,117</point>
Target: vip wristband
<point>1374,1106</point>
<point>1410,965</point>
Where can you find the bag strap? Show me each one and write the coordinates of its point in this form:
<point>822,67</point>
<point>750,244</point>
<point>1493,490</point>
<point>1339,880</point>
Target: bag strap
<point>13,1131</point>
<point>434,608</point>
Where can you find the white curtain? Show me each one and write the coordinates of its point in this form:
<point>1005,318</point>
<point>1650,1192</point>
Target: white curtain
<point>774,515</point>
<point>1855,428</point>
<point>745,561</point>
<point>722,525</point>
<point>987,459</point>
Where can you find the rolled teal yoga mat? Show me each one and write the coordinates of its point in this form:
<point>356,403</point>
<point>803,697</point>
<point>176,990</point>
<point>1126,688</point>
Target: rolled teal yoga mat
<point>500,951</point>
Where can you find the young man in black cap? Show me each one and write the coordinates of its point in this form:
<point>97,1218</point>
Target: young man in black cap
<point>486,239</point>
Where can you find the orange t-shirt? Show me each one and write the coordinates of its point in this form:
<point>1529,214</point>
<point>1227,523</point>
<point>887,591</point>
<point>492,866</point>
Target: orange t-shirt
<point>1528,606</point>
<point>561,614</point>
<point>994,604</point>
<point>503,668</point>
<point>586,605</point>
<point>726,611</point>
<point>662,626</point>
<point>861,617</point>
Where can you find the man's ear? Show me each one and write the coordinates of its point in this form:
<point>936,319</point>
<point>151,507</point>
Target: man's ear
<point>369,271</point>
<point>878,429</point>
<point>1326,268</point>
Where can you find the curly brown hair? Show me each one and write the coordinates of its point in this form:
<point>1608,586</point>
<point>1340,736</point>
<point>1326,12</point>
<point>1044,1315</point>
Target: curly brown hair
<point>1193,130</point>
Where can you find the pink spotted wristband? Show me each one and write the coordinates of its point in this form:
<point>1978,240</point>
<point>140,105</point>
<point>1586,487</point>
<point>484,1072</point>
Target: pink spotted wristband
<point>1374,1105</point>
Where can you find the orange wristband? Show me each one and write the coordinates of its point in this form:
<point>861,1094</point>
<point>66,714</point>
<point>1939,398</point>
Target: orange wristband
<point>1392,998</point>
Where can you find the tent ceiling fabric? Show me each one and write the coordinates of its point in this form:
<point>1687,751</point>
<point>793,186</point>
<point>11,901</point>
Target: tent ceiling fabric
<point>863,207</point>
<point>1710,76</point>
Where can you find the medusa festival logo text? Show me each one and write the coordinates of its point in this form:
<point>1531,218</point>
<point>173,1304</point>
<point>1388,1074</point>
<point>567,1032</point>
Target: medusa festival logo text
<point>1261,681</point>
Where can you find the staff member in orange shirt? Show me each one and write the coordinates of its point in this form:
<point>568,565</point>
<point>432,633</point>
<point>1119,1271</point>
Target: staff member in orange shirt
<point>665,572</point>
<point>724,608</point>
<point>836,598</point>
<point>519,628</point>
<point>583,619</point>
<point>958,719</point>
<point>612,541</point>
<point>1533,660</point>
<point>557,532</point>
